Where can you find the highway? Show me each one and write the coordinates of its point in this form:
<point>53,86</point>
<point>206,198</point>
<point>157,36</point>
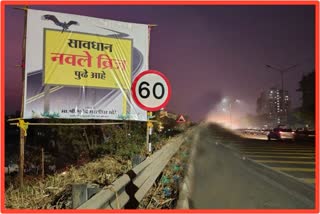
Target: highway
<point>295,158</point>
<point>232,172</point>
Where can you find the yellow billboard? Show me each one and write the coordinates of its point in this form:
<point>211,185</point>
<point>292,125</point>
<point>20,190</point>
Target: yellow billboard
<point>81,59</point>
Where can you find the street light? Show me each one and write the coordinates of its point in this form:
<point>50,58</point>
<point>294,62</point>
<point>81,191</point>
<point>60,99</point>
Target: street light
<point>230,108</point>
<point>282,71</point>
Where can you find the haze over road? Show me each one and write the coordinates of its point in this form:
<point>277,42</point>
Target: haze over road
<point>231,172</point>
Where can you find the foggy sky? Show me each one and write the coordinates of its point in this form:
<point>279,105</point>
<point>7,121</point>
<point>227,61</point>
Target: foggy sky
<point>207,52</point>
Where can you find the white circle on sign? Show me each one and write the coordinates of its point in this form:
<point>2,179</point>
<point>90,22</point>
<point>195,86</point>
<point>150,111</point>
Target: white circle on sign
<point>151,90</point>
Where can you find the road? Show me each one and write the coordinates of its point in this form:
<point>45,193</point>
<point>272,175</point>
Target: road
<point>231,172</point>
<point>294,158</point>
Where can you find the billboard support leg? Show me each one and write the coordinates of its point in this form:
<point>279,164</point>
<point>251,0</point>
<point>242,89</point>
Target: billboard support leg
<point>21,157</point>
<point>46,99</point>
<point>23,133</point>
<point>21,124</point>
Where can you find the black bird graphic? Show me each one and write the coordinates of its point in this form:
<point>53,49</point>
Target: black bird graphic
<point>64,25</point>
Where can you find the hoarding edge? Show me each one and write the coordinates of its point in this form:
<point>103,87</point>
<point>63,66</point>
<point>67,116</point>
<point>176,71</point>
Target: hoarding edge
<point>2,103</point>
<point>317,105</point>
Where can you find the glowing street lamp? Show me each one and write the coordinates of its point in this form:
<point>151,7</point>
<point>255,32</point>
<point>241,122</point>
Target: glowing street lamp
<point>230,109</point>
<point>225,100</point>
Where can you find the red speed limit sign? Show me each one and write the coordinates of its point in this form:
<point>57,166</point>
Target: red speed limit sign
<point>151,90</point>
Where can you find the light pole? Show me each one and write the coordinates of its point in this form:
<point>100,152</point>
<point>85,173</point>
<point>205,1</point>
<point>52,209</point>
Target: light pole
<point>230,120</point>
<point>281,71</point>
<point>230,110</point>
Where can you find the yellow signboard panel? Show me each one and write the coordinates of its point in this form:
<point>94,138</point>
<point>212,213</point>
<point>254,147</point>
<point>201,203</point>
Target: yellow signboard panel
<point>80,59</point>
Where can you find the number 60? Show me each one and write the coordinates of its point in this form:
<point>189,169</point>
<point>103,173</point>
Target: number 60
<point>147,91</point>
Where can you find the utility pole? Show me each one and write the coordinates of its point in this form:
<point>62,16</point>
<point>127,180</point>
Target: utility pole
<point>230,105</point>
<point>233,101</point>
<point>282,71</point>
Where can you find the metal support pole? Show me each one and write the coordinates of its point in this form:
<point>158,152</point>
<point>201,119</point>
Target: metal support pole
<point>149,127</point>
<point>282,113</point>
<point>150,143</point>
<point>147,132</point>
<point>282,87</point>
<point>230,116</point>
<point>282,71</point>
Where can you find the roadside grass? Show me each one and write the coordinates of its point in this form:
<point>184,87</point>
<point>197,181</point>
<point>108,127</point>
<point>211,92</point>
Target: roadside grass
<point>54,192</point>
<point>164,193</point>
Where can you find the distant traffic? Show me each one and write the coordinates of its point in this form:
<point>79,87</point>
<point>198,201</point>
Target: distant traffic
<point>280,133</point>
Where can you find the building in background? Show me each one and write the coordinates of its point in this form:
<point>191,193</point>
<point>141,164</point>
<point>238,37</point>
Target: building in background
<point>274,106</point>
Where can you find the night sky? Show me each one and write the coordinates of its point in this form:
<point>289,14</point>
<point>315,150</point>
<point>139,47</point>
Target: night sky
<point>207,52</point>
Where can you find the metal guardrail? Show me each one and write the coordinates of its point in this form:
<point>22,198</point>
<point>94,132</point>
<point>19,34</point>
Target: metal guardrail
<point>186,186</point>
<point>128,190</point>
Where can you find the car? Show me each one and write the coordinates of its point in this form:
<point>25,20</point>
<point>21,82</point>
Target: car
<point>281,134</point>
<point>304,135</point>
